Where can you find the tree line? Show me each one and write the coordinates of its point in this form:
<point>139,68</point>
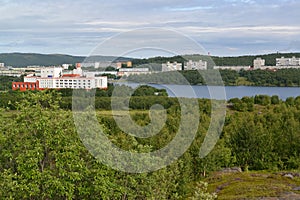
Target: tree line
<point>246,60</point>
<point>281,77</point>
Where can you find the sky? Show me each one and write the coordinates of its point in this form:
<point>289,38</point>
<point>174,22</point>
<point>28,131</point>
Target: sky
<point>221,27</point>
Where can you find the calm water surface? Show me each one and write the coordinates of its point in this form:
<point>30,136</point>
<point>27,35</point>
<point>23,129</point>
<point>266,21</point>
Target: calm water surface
<point>227,92</point>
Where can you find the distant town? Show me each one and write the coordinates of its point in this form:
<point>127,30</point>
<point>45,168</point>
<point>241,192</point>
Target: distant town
<point>96,74</point>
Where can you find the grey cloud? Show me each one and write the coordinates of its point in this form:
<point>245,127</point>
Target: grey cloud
<point>67,25</point>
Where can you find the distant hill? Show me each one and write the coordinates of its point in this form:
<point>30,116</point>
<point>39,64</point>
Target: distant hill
<point>246,60</point>
<point>27,59</point>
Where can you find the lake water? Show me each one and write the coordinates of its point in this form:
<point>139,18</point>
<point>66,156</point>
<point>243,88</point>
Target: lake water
<point>226,92</point>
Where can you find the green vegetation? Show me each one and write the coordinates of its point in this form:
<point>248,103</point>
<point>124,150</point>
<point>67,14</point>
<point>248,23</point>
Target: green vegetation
<point>282,77</point>
<point>42,157</point>
<point>252,185</point>
<point>6,82</point>
<point>25,59</point>
<point>246,60</point>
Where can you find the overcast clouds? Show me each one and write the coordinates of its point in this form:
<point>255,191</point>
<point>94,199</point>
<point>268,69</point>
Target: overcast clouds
<point>222,27</point>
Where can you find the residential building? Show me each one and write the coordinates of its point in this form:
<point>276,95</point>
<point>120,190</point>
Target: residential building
<point>195,65</point>
<point>7,72</point>
<point>171,66</point>
<point>258,63</point>
<point>53,78</point>
<point>66,66</point>
<point>236,68</point>
<point>284,62</point>
<point>51,72</point>
<point>99,64</point>
<point>2,65</point>
<point>132,71</point>
<point>120,64</point>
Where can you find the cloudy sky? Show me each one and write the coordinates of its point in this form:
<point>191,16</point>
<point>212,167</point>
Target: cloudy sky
<point>222,27</point>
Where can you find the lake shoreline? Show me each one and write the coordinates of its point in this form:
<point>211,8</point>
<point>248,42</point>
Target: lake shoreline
<point>204,91</point>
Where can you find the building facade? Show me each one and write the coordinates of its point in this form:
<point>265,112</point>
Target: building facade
<point>236,68</point>
<point>23,86</point>
<point>121,64</point>
<point>52,78</point>
<point>165,67</point>
<point>283,62</point>
<point>195,65</point>
<point>258,63</point>
<point>51,72</point>
<point>133,71</point>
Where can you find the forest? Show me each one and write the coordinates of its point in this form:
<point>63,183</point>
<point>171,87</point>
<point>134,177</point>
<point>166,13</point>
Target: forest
<point>281,77</point>
<point>42,156</point>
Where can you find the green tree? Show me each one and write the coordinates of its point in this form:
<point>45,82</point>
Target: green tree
<point>262,100</point>
<point>42,157</point>
<point>275,99</point>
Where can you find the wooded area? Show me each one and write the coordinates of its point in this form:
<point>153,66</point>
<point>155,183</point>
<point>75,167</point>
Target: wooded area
<point>282,77</point>
<point>42,157</point>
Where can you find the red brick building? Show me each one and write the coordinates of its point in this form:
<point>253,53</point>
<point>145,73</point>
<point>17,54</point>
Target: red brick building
<point>23,86</point>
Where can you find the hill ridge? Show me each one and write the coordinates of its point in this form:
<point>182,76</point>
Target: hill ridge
<point>18,59</point>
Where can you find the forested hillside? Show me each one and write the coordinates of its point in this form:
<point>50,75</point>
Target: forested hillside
<point>25,59</point>
<point>246,60</point>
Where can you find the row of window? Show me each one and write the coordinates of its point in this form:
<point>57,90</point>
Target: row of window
<point>75,80</point>
<point>23,86</point>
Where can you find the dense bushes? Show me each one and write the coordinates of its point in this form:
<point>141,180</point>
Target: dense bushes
<point>6,82</point>
<point>42,157</point>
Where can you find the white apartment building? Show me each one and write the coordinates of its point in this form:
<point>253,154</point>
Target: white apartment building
<point>133,71</point>
<point>73,82</point>
<point>282,62</point>
<point>236,68</point>
<point>51,72</point>
<point>171,66</point>
<point>53,78</point>
<point>194,65</point>
<point>99,64</point>
<point>258,63</point>
<point>2,65</point>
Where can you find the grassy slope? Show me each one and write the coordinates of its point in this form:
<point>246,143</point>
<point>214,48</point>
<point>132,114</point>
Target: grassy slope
<point>252,185</point>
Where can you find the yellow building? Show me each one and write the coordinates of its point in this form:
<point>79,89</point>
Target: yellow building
<point>122,63</point>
